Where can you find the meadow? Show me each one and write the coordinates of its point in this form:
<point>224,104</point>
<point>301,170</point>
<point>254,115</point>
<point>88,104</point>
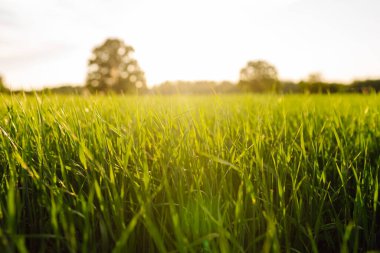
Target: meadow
<point>231,173</point>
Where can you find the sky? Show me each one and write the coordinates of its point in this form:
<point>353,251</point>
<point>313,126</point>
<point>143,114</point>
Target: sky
<point>48,42</point>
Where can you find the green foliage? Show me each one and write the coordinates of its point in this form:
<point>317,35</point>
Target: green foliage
<point>259,76</point>
<point>3,89</point>
<point>239,173</point>
<point>365,86</point>
<point>112,68</point>
<point>194,87</point>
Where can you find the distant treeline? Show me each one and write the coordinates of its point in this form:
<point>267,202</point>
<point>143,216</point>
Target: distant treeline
<point>363,86</point>
<point>284,87</point>
<point>194,87</point>
<point>212,87</point>
<point>113,70</point>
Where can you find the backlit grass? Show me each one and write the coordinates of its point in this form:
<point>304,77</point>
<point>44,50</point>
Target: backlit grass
<point>238,173</point>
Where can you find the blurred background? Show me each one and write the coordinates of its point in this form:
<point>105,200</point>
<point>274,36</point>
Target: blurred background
<point>205,45</point>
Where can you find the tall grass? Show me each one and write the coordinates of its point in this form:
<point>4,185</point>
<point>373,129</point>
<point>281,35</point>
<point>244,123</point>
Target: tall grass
<point>237,173</point>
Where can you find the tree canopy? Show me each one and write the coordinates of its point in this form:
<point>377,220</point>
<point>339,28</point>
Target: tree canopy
<point>258,76</point>
<point>2,86</point>
<point>111,67</point>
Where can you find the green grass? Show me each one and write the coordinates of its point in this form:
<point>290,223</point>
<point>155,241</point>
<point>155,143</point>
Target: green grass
<point>238,173</point>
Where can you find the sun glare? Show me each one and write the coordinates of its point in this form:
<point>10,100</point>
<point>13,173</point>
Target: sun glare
<point>194,40</point>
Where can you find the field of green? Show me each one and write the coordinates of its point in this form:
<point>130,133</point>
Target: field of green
<point>238,173</point>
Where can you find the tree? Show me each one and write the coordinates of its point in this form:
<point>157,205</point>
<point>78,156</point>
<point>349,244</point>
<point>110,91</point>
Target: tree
<point>314,78</point>
<point>112,68</point>
<point>314,84</point>
<point>258,76</point>
<point>3,89</point>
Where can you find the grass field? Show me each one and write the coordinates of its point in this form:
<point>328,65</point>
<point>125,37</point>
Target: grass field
<point>239,173</point>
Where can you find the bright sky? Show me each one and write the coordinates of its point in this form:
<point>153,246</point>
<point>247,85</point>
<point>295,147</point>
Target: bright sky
<point>48,42</point>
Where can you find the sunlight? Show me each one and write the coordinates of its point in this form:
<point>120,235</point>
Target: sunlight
<point>189,126</point>
<point>188,40</point>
